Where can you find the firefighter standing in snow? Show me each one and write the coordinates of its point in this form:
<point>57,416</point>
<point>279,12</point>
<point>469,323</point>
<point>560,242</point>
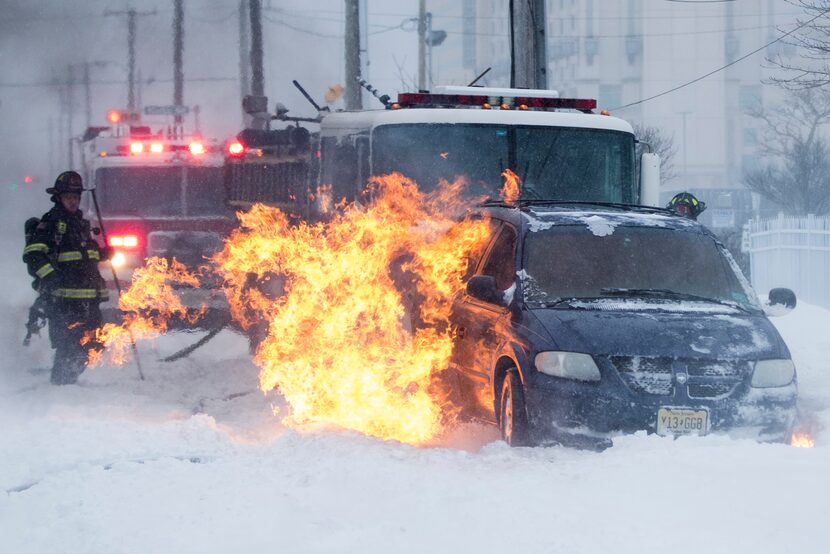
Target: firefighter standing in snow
<point>63,257</point>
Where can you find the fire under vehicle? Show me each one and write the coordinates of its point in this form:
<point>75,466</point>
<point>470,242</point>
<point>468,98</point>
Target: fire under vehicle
<point>160,193</point>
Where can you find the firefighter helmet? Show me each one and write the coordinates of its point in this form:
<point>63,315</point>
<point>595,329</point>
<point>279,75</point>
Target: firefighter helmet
<point>68,181</point>
<point>686,205</point>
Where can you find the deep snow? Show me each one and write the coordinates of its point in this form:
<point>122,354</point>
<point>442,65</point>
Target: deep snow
<point>194,459</point>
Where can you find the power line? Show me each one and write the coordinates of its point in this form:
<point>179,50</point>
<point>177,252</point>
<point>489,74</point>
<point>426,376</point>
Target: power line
<point>307,13</point>
<point>626,35</point>
<point>730,64</point>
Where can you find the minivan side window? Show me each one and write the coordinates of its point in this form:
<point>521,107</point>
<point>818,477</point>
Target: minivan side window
<point>501,263</point>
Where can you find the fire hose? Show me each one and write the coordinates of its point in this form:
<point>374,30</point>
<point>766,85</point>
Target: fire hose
<point>116,281</point>
<point>198,344</point>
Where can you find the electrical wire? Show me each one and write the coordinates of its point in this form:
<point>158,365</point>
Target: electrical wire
<point>730,64</point>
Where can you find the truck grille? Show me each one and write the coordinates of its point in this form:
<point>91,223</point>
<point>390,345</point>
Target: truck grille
<point>645,375</point>
<point>707,378</point>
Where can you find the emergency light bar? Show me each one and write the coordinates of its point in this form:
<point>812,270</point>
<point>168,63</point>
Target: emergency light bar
<point>496,91</point>
<point>135,148</point>
<point>429,100</point>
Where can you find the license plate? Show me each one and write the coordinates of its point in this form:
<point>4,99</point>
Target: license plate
<point>682,421</point>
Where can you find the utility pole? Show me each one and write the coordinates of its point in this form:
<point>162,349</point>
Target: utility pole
<point>131,14</point>
<point>87,95</point>
<point>178,53</point>
<point>257,73</point>
<point>353,89</point>
<point>366,96</point>
<point>244,57</point>
<point>422,44</point>
<point>70,115</point>
<point>528,67</point>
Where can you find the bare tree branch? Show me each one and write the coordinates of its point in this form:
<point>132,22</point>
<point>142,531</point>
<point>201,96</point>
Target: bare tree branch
<point>797,173</point>
<point>812,45</point>
<point>662,145</point>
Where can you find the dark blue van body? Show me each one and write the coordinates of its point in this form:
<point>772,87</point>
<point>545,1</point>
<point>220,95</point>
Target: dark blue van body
<point>584,322</point>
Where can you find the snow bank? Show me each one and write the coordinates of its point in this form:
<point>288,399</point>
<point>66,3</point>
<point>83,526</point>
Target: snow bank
<point>194,460</point>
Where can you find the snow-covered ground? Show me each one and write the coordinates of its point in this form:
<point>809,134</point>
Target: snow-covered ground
<point>194,459</point>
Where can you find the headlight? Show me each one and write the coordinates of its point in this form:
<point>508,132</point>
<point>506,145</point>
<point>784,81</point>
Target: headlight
<point>568,365</point>
<point>773,373</point>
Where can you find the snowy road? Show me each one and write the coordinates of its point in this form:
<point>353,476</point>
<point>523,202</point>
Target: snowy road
<point>194,460</point>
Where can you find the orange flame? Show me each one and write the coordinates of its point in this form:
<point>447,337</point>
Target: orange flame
<point>323,199</point>
<point>347,343</point>
<point>802,440</point>
<point>511,189</point>
<point>148,304</point>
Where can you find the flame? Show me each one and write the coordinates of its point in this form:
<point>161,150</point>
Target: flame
<point>149,304</point>
<point>323,199</point>
<point>348,344</point>
<point>512,187</point>
<point>802,440</point>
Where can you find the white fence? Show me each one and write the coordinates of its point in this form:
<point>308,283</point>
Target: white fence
<point>792,252</point>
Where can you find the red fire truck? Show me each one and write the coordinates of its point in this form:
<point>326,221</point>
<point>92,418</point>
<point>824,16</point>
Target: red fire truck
<point>160,192</point>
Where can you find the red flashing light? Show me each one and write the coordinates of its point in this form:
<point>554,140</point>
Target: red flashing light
<point>136,147</point>
<point>196,148</point>
<point>156,148</point>
<point>28,179</point>
<point>420,99</point>
<point>124,241</point>
<point>236,149</point>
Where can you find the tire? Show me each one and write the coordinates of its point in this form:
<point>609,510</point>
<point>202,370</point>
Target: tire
<point>513,424</point>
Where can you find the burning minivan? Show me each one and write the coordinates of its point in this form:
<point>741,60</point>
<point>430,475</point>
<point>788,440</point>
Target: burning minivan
<point>583,321</point>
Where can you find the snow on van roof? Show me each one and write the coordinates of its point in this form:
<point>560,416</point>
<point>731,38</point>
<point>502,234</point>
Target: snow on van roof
<point>339,122</point>
<point>600,222</point>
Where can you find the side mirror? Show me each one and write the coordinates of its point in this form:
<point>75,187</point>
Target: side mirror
<point>484,288</point>
<point>780,302</point>
<point>650,179</point>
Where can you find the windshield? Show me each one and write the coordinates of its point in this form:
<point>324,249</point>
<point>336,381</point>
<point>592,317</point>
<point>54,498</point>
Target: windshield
<point>572,262</point>
<point>158,191</point>
<point>554,163</point>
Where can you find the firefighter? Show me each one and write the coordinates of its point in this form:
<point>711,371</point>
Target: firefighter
<point>685,204</point>
<point>63,257</point>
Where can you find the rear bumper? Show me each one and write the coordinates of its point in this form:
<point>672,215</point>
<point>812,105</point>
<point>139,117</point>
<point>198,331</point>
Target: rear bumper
<point>589,414</point>
<point>217,311</point>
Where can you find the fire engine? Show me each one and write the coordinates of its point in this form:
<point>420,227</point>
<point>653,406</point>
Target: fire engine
<point>559,147</point>
<point>160,192</point>
<point>273,166</point>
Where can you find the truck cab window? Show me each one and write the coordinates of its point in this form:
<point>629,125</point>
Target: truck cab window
<point>340,166</point>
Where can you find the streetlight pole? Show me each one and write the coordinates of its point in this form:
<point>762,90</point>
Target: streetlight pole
<point>429,50</point>
<point>422,43</point>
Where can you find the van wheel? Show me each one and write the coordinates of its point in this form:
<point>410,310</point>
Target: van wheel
<point>512,413</point>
